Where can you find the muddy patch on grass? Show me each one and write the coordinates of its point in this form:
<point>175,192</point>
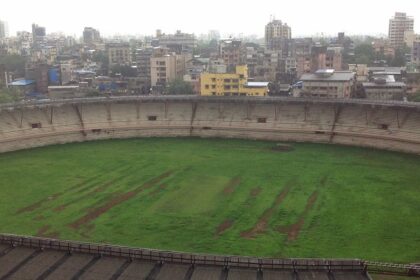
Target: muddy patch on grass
<point>158,189</point>
<point>227,224</point>
<point>39,218</point>
<point>293,230</point>
<point>255,192</point>
<point>116,200</point>
<point>101,188</point>
<point>261,225</point>
<point>60,208</point>
<point>282,148</point>
<point>38,204</point>
<point>87,231</point>
<point>45,232</point>
<point>231,186</point>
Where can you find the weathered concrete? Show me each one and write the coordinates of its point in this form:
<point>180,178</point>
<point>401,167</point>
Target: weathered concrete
<point>393,126</point>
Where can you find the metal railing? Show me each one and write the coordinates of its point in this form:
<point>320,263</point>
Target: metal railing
<point>183,258</point>
<point>292,264</point>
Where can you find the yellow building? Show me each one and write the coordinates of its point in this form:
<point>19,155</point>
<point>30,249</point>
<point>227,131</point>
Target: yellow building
<point>232,84</point>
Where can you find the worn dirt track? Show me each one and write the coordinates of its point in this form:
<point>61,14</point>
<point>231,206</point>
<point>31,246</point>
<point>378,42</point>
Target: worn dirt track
<point>231,186</point>
<point>261,225</point>
<point>293,230</point>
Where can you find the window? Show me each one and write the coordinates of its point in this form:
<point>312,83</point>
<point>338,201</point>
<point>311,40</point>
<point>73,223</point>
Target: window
<point>262,120</point>
<point>152,118</point>
<point>207,86</point>
<point>227,87</point>
<point>384,126</point>
<point>227,80</point>
<point>36,125</point>
<point>213,80</point>
<point>213,86</point>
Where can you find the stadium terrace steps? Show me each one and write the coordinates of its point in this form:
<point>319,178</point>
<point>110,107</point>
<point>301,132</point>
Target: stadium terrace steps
<point>40,258</point>
<point>381,125</point>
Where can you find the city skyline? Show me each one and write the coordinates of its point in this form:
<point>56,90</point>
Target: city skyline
<point>137,19</point>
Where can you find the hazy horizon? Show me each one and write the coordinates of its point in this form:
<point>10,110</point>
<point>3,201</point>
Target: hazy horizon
<point>125,18</point>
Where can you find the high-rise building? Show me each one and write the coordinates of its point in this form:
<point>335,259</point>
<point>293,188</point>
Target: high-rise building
<point>398,25</point>
<point>39,35</point>
<point>275,30</point>
<point>4,32</point>
<point>91,35</point>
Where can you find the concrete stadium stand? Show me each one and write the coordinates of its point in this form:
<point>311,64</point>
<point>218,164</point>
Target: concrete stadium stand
<point>384,125</point>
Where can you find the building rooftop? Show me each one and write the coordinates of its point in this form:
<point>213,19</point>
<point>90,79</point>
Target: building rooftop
<point>334,77</point>
<point>384,85</point>
<point>257,84</point>
<point>22,83</point>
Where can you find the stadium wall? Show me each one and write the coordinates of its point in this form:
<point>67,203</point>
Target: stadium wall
<point>383,125</point>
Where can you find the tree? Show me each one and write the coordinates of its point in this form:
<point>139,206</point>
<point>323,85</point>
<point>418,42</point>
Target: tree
<point>179,87</point>
<point>364,54</point>
<point>399,59</point>
<point>14,63</point>
<point>9,95</point>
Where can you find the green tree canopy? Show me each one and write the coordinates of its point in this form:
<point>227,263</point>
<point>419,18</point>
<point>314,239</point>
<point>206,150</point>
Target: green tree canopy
<point>364,54</point>
<point>179,87</point>
<point>14,63</point>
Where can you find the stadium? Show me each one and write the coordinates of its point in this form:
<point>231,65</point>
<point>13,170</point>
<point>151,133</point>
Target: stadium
<point>285,132</point>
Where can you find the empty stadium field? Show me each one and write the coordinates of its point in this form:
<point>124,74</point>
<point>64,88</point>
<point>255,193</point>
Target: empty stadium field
<point>218,196</point>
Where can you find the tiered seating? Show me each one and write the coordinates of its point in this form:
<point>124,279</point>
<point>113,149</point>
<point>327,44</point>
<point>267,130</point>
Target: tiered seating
<point>95,116</point>
<point>65,118</point>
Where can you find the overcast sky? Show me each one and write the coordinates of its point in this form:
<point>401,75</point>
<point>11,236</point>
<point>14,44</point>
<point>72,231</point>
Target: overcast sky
<point>306,17</point>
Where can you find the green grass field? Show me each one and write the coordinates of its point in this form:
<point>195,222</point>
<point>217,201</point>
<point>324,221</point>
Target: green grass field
<point>218,196</point>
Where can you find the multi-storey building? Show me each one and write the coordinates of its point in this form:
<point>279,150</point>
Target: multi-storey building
<point>119,53</point>
<point>334,58</point>
<point>4,32</point>
<point>38,36</point>
<point>410,37</point>
<point>327,83</point>
<point>165,69</point>
<point>398,25</point>
<point>38,73</point>
<point>232,52</point>
<point>232,84</point>
<point>276,30</point>
<point>178,42</point>
<point>25,41</point>
<point>415,53</point>
<point>194,68</point>
<point>383,48</point>
<point>91,35</point>
<point>326,58</point>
